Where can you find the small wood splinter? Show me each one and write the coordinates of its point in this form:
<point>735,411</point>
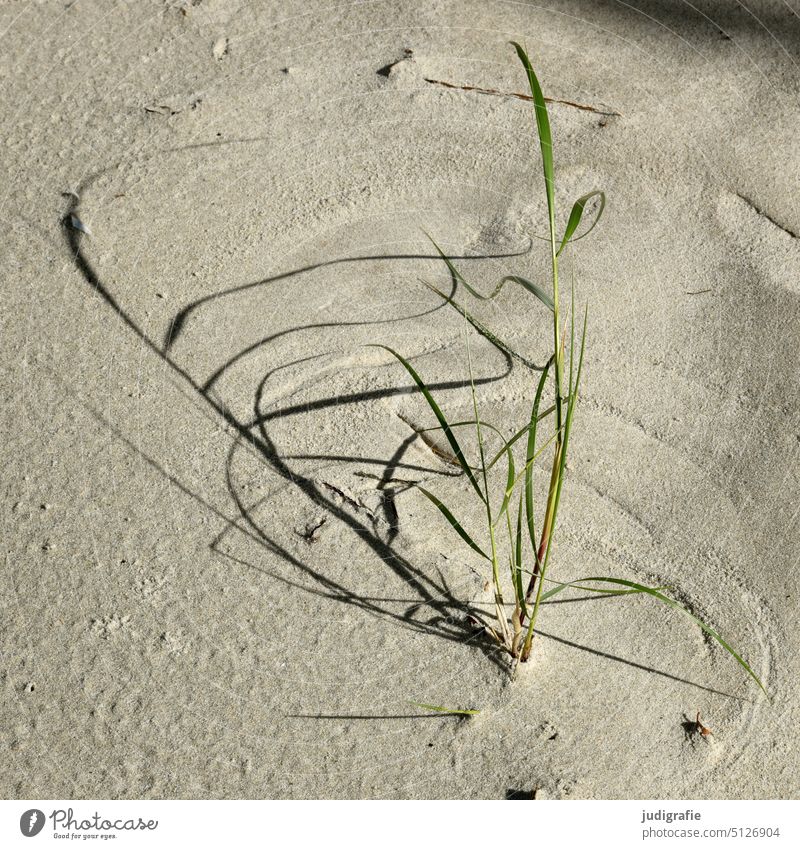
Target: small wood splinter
<point>702,730</point>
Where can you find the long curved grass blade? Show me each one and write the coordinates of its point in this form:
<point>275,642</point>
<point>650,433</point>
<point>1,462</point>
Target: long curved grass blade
<point>454,272</point>
<point>505,450</point>
<point>488,334</point>
<point>576,585</point>
<point>533,288</point>
<point>545,137</point>
<point>482,423</point>
<point>506,443</point>
<point>672,603</point>
<point>457,452</point>
<point>440,709</point>
<point>576,215</point>
<point>456,525</point>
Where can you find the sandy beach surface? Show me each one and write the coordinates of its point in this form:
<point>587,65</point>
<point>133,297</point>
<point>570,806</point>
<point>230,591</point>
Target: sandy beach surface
<point>218,581</point>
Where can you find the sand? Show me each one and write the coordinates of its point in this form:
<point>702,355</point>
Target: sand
<point>211,588</point>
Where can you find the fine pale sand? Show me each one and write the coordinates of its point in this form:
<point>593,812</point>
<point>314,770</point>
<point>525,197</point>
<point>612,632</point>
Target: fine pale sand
<point>217,582</point>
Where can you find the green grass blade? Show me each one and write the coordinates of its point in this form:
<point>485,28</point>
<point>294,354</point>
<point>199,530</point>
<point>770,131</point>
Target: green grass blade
<point>511,479</point>
<point>511,550</point>
<point>531,287</point>
<point>454,272</point>
<point>479,435</point>
<point>455,524</point>
<point>530,455</point>
<point>440,709</point>
<point>488,334</point>
<point>483,423</point>
<point>498,593</point>
<point>539,451</point>
<point>506,443</point>
<point>578,586</point>
<point>451,438</point>
<point>573,398</point>
<point>672,603</point>
<point>505,450</point>
<point>519,590</point>
<point>572,334</point>
<point>576,215</point>
<point>519,434</point>
<point>545,136</point>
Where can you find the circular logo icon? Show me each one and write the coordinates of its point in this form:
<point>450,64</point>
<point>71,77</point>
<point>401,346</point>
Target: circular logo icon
<point>31,822</point>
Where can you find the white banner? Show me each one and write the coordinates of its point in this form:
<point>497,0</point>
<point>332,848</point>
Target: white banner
<point>386,824</point>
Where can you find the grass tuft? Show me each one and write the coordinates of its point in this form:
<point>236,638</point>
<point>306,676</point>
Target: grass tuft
<point>529,561</point>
